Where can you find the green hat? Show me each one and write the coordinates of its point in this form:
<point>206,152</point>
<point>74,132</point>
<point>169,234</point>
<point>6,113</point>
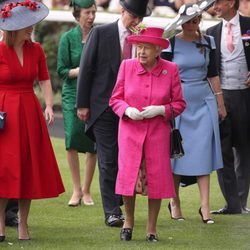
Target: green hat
<point>83,3</point>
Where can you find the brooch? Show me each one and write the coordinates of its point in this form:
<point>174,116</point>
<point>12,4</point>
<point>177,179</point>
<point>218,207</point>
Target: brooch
<point>246,36</point>
<point>164,72</point>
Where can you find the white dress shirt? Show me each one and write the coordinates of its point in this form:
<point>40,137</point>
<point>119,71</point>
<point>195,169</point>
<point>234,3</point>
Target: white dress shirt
<point>123,32</point>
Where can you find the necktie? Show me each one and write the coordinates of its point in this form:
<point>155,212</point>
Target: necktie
<point>127,48</point>
<point>230,45</point>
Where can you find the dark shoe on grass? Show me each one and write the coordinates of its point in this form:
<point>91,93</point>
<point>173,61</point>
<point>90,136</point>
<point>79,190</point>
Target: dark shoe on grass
<point>224,211</point>
<point>114,221</point>
<point>151,238</point>
<point>126,234</point>
<point>11,222</point>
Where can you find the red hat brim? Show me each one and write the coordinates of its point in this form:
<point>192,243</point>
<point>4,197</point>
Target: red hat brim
<point>164,43</point>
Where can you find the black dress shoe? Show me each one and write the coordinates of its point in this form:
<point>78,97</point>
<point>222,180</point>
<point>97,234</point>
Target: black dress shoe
<point>126,234</point>
<point>225,210</point>
<point>11,222</point>
<point>114,221</point>
<point>2,238</point>
<point>151,238</point>
<point>246,210</point>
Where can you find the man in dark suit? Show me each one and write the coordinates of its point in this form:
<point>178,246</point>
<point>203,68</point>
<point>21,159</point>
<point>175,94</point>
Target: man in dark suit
<point>232,37</point>
<point>99,67</point>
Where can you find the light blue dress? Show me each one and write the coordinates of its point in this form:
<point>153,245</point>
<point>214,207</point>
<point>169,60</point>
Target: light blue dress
<point>199,123</point>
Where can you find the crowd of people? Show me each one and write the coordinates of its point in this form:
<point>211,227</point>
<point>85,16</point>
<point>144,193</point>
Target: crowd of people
<point>158,7</point>
<point>121,83</point>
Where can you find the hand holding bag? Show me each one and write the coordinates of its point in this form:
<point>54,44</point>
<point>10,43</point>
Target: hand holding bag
<point>176,149</point>
<point>2,119</point>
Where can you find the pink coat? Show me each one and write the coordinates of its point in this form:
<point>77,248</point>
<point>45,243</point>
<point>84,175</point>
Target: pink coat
<point>135,87</point>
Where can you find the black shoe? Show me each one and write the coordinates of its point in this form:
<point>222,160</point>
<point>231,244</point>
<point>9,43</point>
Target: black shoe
<point>114,221</point>
<point>126,234</point>
<point>122,217</point>
<point>151,238</point>
<point>246,210</point>
<point>170,211</point>
<point>225,210</point>
<point>2,238</point>
<point>207,221</point>
<point>11,222</point>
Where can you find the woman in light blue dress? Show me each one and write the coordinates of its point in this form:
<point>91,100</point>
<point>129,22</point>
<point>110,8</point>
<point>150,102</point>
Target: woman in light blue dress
<point>199,123</point>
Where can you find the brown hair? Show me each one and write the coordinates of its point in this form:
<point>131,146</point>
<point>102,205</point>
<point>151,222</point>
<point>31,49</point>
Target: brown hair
<point>236,4</point>
<point>200,37</point>
<point>9,37</point>
<point>77,10</point>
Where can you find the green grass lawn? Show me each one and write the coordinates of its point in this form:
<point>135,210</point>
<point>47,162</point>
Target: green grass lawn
<point>54,225</point>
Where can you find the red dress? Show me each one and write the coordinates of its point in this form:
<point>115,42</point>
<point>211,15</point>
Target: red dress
<point>28,168</point>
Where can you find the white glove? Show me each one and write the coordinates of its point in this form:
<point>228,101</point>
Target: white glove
<point>133,113</point>
<point>152,111</point>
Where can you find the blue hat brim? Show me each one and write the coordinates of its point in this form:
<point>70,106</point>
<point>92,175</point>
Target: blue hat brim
<point>180,19</point>
<point>22,17</point>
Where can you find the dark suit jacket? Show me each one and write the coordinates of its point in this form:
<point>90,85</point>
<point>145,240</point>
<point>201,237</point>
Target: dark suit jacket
<point>215,31</point>
<point>98,70</point>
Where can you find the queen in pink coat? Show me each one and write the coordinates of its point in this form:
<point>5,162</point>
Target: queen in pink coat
<point>145,89</point>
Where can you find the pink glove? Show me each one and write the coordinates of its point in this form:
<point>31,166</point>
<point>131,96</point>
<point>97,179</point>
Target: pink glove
<point>152,111</point>
<point>133,113</point>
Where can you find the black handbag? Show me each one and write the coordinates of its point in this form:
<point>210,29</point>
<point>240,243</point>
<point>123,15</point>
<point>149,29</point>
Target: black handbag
<point>2,119</point>
<point>176,149</point>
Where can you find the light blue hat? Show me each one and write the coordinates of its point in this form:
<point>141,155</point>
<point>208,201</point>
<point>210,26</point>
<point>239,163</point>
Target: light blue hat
<point>16,15</point>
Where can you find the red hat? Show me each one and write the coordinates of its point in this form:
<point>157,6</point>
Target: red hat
<point>150,35</point>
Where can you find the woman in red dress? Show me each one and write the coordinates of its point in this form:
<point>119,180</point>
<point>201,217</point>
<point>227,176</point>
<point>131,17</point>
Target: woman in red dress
<point>28,168</point>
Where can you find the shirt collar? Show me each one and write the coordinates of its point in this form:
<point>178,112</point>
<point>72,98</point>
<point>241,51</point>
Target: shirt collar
<point>121,27</point>
<point>156,70</point>
<point>235,20</point>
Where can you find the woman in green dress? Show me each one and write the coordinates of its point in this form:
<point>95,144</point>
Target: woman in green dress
<point>69,54</point>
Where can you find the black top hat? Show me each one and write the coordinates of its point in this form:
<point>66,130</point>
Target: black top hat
<point>16,15</point>
<point>136,7</point>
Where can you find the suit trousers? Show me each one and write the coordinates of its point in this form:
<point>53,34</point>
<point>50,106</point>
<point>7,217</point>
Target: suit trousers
<point>11,209</point>
<point>105,130</point>
<point>234,178</point>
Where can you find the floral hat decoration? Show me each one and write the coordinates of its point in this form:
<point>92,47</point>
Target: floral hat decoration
<point>188,12</point>
<point>16,15</point>
<point>151,35</point>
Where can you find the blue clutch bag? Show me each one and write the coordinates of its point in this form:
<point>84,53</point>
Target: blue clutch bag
<point>2,119</point>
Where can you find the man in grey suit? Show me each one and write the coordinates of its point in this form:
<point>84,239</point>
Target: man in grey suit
<point>232,37</point>
<point>99,67</point>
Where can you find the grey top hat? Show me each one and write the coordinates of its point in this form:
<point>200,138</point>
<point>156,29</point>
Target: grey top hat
<point>187,12</point>
<point>136,7</point>
<point>16,15</point>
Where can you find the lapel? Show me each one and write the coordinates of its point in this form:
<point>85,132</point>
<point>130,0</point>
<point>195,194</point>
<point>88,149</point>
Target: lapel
<point>244,26</point>
<point>113,47</point>
<point>217,39</point>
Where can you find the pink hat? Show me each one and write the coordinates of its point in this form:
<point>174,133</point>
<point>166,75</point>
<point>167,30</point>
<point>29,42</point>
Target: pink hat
<point>150,35</point>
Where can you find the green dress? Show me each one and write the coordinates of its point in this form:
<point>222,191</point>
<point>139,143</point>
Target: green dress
<point>69,54</point>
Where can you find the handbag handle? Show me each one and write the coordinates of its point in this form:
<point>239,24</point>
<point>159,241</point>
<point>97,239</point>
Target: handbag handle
<point>172,121</point>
